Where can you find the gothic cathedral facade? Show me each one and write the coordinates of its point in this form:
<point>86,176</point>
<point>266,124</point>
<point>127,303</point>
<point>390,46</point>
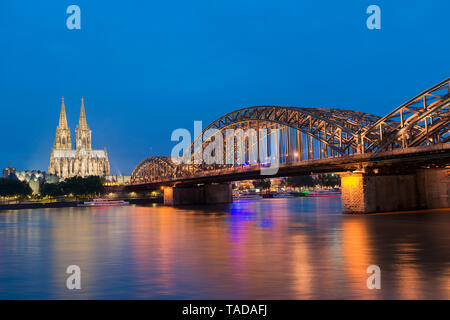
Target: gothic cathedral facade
<point>82,161</point>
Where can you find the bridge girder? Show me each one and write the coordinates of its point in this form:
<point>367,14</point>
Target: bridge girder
<point>337,129</point>
<point>423,120</point>
<point>150,168</point>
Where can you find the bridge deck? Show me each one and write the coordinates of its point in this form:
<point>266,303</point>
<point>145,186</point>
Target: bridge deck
<point>398,160</point>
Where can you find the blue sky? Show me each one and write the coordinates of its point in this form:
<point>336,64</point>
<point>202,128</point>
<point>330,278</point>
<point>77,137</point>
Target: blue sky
<point>147,68</point>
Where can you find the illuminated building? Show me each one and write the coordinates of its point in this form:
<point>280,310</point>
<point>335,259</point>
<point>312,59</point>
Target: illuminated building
<point>8,171</point>
<point>82,161</point>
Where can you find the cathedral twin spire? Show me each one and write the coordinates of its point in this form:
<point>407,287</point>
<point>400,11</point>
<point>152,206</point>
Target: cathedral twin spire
<point>82,132</point>
<point>62,116</point>
<point>83,161</point>
<point>82,122</point>
<point>62,139</point>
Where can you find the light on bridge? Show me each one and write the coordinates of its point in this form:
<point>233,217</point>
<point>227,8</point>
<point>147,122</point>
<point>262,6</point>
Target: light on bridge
<point>351,181</point>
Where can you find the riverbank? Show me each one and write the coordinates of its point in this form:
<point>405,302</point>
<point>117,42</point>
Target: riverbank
<point>66,204</point>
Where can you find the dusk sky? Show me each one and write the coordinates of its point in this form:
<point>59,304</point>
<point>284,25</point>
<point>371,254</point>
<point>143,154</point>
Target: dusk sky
<point>147,68</point>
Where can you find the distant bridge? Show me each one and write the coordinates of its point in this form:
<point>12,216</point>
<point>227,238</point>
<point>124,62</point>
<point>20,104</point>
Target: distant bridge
<point>412,137</point>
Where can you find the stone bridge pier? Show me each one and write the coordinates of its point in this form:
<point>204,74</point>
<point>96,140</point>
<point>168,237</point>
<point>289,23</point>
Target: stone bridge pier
<point>204,194</point>
<point>382,192</point>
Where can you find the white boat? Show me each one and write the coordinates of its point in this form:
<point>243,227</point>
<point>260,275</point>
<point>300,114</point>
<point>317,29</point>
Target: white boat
<point>282,195</point>
<point>323,193</point>
<point>247,197</point>
<point>103,203</point>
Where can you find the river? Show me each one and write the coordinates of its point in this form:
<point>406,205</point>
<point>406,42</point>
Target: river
<point>299,248</point>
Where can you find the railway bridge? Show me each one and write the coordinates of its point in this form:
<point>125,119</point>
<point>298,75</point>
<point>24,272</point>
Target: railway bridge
<point>396,162</point>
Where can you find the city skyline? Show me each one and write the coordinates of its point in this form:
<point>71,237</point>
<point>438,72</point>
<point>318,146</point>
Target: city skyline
<point>198,61</point>
<point>225,156</point>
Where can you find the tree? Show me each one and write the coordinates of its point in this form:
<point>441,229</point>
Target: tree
<point>51,189</point>
<point>77,186</point>
<point>12,187</point>
<point>300,181</point>
<point>262,184</point>
<point>328,180</point>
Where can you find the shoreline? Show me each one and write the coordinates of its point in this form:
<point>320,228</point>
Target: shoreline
<point>65,204</point>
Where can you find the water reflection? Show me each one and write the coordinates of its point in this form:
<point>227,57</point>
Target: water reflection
<point>266,249</point>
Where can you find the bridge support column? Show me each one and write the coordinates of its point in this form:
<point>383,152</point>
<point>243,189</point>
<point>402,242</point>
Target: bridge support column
<point>422,189</point>
<point>206,194</point>
<point>218,193</point>
<point>174,196</point>
<point>434,187</point>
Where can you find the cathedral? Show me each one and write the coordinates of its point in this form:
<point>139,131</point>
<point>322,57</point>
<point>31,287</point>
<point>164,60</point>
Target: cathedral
<point>82,161</point>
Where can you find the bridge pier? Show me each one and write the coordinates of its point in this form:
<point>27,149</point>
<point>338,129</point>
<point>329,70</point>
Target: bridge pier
<point>434,187</point>
<point>205,194</point>
<point>421,189</point>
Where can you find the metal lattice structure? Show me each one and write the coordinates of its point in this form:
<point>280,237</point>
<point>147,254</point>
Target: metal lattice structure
<point>336,129</point>
<point>313,133</point>
<point>153,168</point>
<point>423,120</point>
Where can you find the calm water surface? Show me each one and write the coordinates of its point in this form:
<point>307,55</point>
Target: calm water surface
<point>264,249</point>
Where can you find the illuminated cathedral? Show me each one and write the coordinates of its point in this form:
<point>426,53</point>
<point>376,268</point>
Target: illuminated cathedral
<point>82,161</point>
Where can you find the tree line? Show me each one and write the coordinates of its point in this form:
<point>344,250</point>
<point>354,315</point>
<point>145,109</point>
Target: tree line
<point>13,187</point>
<point>76,186</point>
<point>323,180</point>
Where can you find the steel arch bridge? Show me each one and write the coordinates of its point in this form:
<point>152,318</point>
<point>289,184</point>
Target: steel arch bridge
<point>152,168</point>
<point>423,120</point>
<point>305,134</point>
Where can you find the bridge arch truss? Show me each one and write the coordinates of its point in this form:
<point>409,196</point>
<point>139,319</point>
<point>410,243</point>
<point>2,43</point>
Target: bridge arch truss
<point>304,133</point>
<point>423,120</point>
<point>315,133</point>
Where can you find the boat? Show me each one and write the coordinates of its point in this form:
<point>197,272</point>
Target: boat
<point>246,196</point>
<point>283,195</point>
<point>323,193</point>
<point>103,203</point>
<point>297,194</point>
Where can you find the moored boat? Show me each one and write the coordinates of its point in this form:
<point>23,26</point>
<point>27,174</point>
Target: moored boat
<point>323,193</point>
<point>246,196</point>
<point>283,195</point>
<point>103,203</point>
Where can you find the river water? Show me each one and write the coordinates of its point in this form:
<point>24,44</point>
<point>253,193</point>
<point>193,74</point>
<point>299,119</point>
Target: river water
<point>299,248</point>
